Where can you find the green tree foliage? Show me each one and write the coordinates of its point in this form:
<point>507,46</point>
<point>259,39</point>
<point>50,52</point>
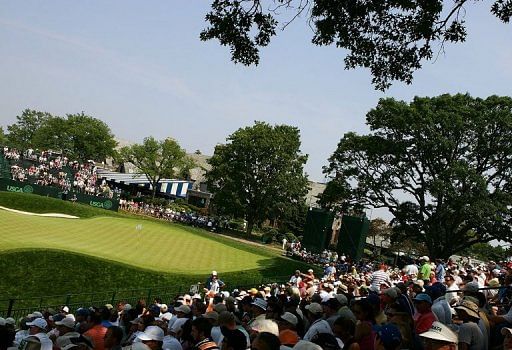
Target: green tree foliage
<point>391,38</point>
<point>3,137</point>
<point>90,138</point>
<point>21,134</point>
<point>379,231</point>
<point>258,174</point>
<point>157,159</point>
<point>80,136</point>
<point>442,166</point>
<point>486,252</point>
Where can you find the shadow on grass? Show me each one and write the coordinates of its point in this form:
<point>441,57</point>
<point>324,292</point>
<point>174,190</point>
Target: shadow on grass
<point>35,273</point>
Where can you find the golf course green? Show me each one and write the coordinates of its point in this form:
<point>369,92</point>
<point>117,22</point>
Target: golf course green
<point>47,255</point>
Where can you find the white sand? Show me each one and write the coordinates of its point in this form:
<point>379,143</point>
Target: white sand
<point>53,215</point>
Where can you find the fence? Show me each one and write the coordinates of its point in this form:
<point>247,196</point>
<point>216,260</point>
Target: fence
<point>20,307</point>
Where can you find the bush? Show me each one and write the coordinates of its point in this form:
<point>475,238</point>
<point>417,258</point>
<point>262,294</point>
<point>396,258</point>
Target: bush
<point>267,238</point>
<point>236,224</point>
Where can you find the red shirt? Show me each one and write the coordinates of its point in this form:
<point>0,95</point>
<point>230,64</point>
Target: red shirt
<point>97,333</point>
<point>424,322</point>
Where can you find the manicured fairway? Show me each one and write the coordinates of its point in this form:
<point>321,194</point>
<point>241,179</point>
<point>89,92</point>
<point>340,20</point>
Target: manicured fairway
<point>157,246</point>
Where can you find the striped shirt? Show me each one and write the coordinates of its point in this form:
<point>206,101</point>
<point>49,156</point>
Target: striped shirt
<point>379,277</point>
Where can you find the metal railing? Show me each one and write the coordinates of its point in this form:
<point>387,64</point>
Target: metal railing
<point>21,307</point>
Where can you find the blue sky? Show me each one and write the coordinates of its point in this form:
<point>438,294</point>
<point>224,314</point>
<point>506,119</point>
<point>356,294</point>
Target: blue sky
<point>140,67</point>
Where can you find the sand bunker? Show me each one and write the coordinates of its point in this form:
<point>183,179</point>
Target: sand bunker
<point>52,215</point>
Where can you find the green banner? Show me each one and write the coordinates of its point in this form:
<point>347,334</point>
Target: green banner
<point>23,187</point>
<point>9,185</point>
<point>93,201</point>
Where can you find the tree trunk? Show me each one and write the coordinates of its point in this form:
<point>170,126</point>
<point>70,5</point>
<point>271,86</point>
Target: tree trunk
<point>154,190</point>
<point>250,226</point>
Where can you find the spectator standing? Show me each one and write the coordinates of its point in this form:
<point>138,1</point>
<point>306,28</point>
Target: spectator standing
<point>379,277</point>
<point>470,335</point>
<point>214,284</point>
<point>440,271</point>
<point>38,328</point>
<point>201,333</point>
<point>439,337</point>
<point>424,317</point>
<point>425,270</point>
<point>296,279</point>
<point>96,331</point>
<point>66,329</point>
<point>153,337</point>
<point>318,324</point>
<point>113,338</point>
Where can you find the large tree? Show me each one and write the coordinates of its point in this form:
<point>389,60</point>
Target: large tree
<point>258,174</point>
<point>90,138</point>
<point>157,159</point>
<point>80,136</point>
<point>21,134</point>
<point>442,166</point>
<point>391,38</point>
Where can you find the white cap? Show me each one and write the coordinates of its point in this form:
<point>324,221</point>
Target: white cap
<point>178,324</point>
<point>439,331</point>
<point>315,308</point>
<point>10,320</point>
<point>183,308</point>
<point>38,322</point>
<point>2,321</point>
<point>65,309</point>
<point>37,314</point>
<point>138,346</point>
<point>306,345</point>
<point>290,318</point>
<point>214,273</point>
<point>152,333</point>
<point>505,331</point>
<point>265,325</point>
<point>66,322</point>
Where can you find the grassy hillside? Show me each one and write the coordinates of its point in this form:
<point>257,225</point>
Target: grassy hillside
<point>41,278</point>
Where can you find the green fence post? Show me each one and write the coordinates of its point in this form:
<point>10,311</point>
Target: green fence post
<point>9,309</point>
<point>68,299</point>
<point>149,297</point>
<point>113,297</point>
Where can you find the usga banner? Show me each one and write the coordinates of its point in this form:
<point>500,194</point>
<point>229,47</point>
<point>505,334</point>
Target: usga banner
<point>9,185</point>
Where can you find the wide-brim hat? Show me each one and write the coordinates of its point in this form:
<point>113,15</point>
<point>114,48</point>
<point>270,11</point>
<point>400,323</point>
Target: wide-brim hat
<point>469,307</point>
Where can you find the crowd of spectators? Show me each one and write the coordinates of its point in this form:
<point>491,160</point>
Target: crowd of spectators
<point>161,212</point>
<point>47,168</point>
<point>424,305</point>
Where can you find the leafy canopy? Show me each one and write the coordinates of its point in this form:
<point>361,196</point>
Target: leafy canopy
<point>158,159</point>
<point>80,136</point>
<point>258,174</point>
<point>442,166</point>
<point>391,38</point>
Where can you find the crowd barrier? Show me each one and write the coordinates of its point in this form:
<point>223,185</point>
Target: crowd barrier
<point>9,185</point>
<point>21,307</point>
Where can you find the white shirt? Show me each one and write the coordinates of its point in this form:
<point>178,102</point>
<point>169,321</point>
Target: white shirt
<point>319,326</point>
<point>46,343</point>
<point>294,281</point>
<point>450,294</point>
<point>171,343</point>
<point>20,335</point>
